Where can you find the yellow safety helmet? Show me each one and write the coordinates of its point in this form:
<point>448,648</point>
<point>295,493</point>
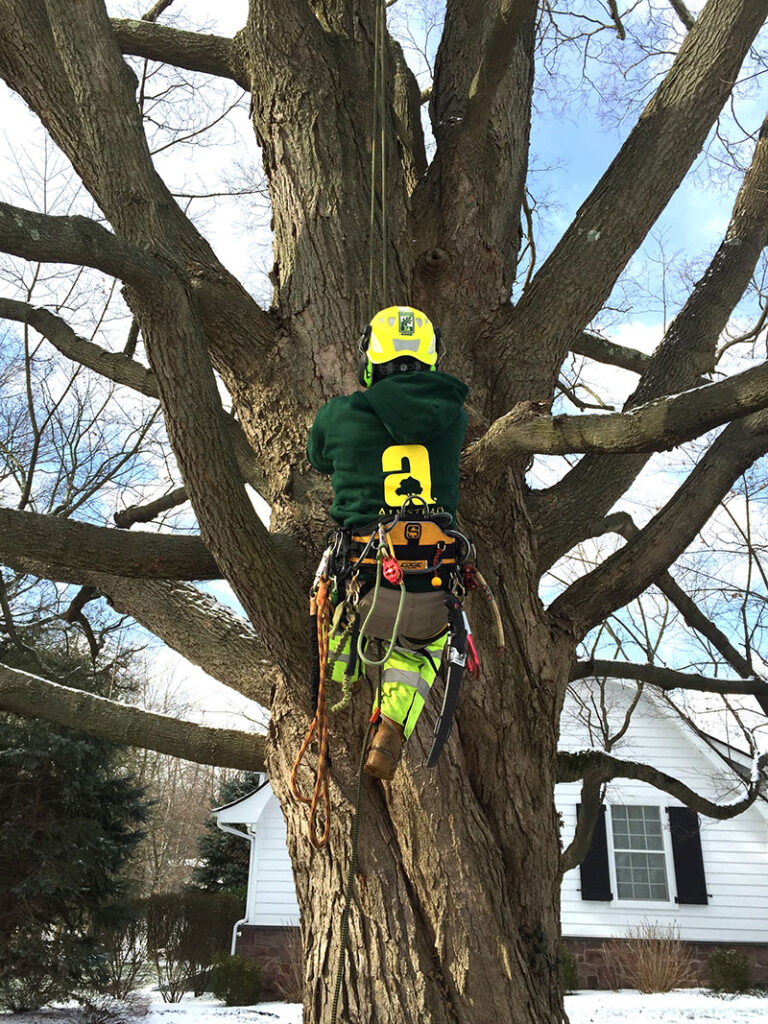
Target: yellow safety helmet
<point>398,332</point>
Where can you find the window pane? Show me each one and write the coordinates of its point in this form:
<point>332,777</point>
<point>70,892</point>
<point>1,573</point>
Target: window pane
<point>638,847</point>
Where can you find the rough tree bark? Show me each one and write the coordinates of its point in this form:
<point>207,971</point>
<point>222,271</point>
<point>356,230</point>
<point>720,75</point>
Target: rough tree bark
<point>456,917</point>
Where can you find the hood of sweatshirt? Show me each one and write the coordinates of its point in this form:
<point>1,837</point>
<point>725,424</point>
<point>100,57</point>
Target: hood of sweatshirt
<point>418,406</point>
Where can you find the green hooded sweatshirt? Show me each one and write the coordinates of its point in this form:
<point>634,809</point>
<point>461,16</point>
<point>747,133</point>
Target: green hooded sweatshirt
<point>401,437</point>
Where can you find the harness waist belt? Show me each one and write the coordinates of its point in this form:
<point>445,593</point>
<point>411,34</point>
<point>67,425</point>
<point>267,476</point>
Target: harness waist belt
<point>420,546</point>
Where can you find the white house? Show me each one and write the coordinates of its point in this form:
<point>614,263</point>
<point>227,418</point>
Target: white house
<point>651,858</point>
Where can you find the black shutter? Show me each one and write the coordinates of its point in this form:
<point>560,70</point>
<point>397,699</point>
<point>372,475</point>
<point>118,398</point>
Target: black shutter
<point>686,850</point>
<point>595,879</point>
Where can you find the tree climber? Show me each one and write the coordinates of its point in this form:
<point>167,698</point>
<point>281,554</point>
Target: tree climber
<point>394,449</point>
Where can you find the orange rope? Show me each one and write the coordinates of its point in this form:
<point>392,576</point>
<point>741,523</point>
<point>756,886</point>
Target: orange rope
<point>319,727</point>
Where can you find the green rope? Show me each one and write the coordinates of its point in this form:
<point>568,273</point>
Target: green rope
<point>382,101</point>
<point>396,627</point>
<point>378,127</point>
<point>350,878</point>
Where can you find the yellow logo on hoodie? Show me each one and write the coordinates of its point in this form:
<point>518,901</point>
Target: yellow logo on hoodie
<point>407,472</point>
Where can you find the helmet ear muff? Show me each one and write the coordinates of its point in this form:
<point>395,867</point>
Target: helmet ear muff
<point>364,368</point>
<point>439,348</point>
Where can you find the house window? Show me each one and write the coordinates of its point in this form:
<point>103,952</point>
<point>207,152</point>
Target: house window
<point>638,850</point>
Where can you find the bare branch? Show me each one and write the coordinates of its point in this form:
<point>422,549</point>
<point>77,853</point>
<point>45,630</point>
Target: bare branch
<point>68,544</point>
<point>667,678</point>
<point>74,240</point>
<point>156,10</point>
<point>656,426</point>
<point>685,16</point>
<point>128,517</point>
<point>688,350</point>
<point>613,8</point>
<point>194,51</point>
<point>621,523</point>
<point>604,351</point>
<point>203,630</point>
<point>603,766</point>
<point>116,366</point>
<point>577,278</point>
<point>626,574</point>
<point>33,697</point>
<point>119,368</point>
<point>589,810</point>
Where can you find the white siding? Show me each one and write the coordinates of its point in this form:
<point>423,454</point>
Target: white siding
<point>735,852</point>
<point>271,890</point>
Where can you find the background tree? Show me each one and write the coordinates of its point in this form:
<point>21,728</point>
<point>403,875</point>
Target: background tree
<point>224,858</point>
<point>464,218</point>
<point>71,818</point>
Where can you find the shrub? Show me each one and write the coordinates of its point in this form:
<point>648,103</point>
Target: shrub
<point>236,980</point>
<point>104,1009</point>
<point>39,969</point>
<point>651,959</point>
<point>729,971</point>
<point>569,970</point>
<point>185,931</point>
<point>27,982</point>
<point>290,983</point>
<point>124,953</point>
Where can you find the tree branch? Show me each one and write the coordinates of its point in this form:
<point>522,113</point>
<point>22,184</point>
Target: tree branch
<point>574,766</point>
<point>65,543</point>
<point>626,574</point>
<point>115,366</point>
<point>480,110</point>
<point>33,697</point>
<point>194,51</point>
<point>191,622</point>
<point>119,368</point>
<point>613,8</point>
<point>74,240</point>
<point>601,350</point>
<point>621,523</point>
<point>571,510</point>
<point>657,426</point>
<point>128,517</point>
<point>93,117</point>
<point>685,16</point>
<point>667,678</point>
<point>577,278</point>
<point>589,810</point>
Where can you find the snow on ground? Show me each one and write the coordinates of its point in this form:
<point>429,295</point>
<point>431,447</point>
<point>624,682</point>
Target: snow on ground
<point>632,1007</point>
<point>200,1011</point>
<point>626,1007</point>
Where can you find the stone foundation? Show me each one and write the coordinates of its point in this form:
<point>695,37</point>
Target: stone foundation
<point>596,969</point>
<point>278,951</point>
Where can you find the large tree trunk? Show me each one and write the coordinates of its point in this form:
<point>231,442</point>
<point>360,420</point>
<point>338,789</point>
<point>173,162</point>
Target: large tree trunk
<point>445,924</point>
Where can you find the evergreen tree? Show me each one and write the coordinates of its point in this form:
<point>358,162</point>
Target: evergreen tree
<point>69,820</point>
<point>224,858</point>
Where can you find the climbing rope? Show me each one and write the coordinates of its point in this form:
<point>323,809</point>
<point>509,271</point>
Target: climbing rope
<point>393,575</point>
<point>320,607</point>
<point>378,127</point>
